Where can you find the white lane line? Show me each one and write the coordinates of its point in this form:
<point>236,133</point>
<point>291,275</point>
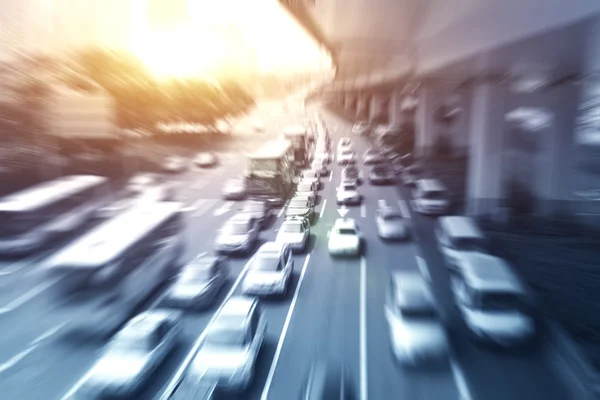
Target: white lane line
<point>280,213</point>
<point>423,268</point>
<point>286,325</point>
<point>13,361</point>
<point>330,175</point>
<point>224,209</point>
<point>460,379</point>
<point>167,390</point>
<point>206,206</point>
<point>404,209</point>
<point>363,210</point>
<point>25,297</point>
<point>363,330</point>
<point>322,209</point>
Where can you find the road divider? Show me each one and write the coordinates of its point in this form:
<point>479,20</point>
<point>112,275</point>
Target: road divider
<point>364,390</point>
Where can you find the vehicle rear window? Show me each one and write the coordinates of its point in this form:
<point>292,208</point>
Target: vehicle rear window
<point>347,231</point>
<point>499,301</point>
<point>434,195</point>
<point>470,244</point>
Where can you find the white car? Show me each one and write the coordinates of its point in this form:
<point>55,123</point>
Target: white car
<point>270,271</point>
<point>232,344</point>
<point>130,358</point>
<point>348,194</point>
<point>295,232</point>
<point>391,224</point>
<point>345,238</point>
<point>417,332</point>
<point>346,156</point>
<point>174,164</point>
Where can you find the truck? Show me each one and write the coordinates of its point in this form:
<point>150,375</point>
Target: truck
<point>270,173</point>
<point>298,136</point>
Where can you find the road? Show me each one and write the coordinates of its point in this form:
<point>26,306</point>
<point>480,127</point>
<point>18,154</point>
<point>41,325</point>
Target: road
<point>335,310</point>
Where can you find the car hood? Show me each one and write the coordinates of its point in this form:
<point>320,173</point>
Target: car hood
<point>426,336</point>
<point>345,241</point>
<point>190,290</point>
<point>219,360</point>
<point>118,369</point>
<point>263,277</point>
<point>289,237</point>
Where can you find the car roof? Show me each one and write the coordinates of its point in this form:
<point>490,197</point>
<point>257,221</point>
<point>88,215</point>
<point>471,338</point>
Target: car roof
<point>345,223</point>
<point>293,220</point>
<point>431,185</point>
<point>411,290</point>
<point>237,306</point>
<point>148,321</point>
<point>488,273</point>
<point>460,227</point>
<point>271,247</point>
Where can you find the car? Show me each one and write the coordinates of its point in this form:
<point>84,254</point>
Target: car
<point>198,283</point>
<point>328,381</point>
<point>129,359</point>
<point>320,167</point>
<point>372,156</point>
<point>382,175</point>
<point>206,160</point>
<point>430,197</point>
<point>269,271</point>
<point>232,344</point>
<point>360,128</point>
<point>417,332</point>
<point>350,172</point>
<point>322,157</point>
<point>345,238</point>
<point>345,142</point>
<point>294,231</point>
<point>308,196</point>
<point>312,176</point>
<point>411,175</point>
<point>234,189</point>
<point>346,156</point>
<point>143,181</point>
<point>259,210</point>
<point>174,164</point>
<point>239,235</point>
<point>301,207</point>
<point>307,186</point>
<point>348,194</point>
<point>391,224</point>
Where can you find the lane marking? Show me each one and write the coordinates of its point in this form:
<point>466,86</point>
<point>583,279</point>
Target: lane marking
<point>404,209</point>
<point>363,330</point>
<point>206,206</point>
<point>286,325</point>
<point>224,209</point>
<point>459,378</point>
<point>280,213</point>
<point>167,390</point>
<point>363,210</point>
<point>27,296</point>
<point>13,361</point>
<point>331,175</point>
<point>322,209</point>
<point>423,268</point>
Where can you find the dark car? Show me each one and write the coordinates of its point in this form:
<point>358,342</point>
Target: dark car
<point>350,172</point>
<point>259,210</point>
<point>198,284</point>
<point>382,175</point>
<point>328,381</point>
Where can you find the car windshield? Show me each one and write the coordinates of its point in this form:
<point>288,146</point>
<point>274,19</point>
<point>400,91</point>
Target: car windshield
<point>266,261</point>
<point>434,195</point>
<point>347,231</point>
<point>393,217</point>
<point>349,187</point>
<point>225,336</point>
<point>292,228</point>
<point>234,228</point>
<point>298,203</point>
<point>418,313</point>
<point>351,172</point>
<point>499,301</point>
<point>471,244</point>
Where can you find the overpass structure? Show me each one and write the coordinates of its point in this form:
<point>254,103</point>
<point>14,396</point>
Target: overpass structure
<point>492,67</point>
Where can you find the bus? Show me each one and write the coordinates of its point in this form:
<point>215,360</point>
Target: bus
<point>298,136</point>
<point>32,217</point>
<point>107,274</point>
<point>270,173</point>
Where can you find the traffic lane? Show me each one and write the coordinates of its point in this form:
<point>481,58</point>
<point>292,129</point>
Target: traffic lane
<point>52,353</point>
<point>386,378</point>
<point>487,371</point>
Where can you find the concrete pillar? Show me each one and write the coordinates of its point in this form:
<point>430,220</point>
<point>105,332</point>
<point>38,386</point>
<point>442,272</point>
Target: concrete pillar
<point>362,107</point>
<point>349,102</point>
<point>555,167</point>
<point>485,185</point>
<point>461,129</point>
<point>379,109</point>
<point>425,125</point>
<point>396,117</point>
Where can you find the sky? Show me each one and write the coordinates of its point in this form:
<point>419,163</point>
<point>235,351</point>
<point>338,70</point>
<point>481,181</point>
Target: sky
<point>178,37</point>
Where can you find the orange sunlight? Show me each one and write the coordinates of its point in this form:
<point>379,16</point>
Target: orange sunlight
<point>225,36</point>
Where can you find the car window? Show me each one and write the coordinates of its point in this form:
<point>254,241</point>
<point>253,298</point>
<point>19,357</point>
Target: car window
<point>347,231</point>
<point>234,228</point>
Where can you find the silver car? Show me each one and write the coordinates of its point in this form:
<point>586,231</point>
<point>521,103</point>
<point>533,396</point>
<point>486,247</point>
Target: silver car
<point>133,354</point>
<point>198,283</point>
<point>345,239</point>
<point>390,224</point>
<point>296,232</point>
<point>239,235</point>
<point>270,271</point>
<point>232,344</point>
<point>416,331</point>
<point>348,194</point>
